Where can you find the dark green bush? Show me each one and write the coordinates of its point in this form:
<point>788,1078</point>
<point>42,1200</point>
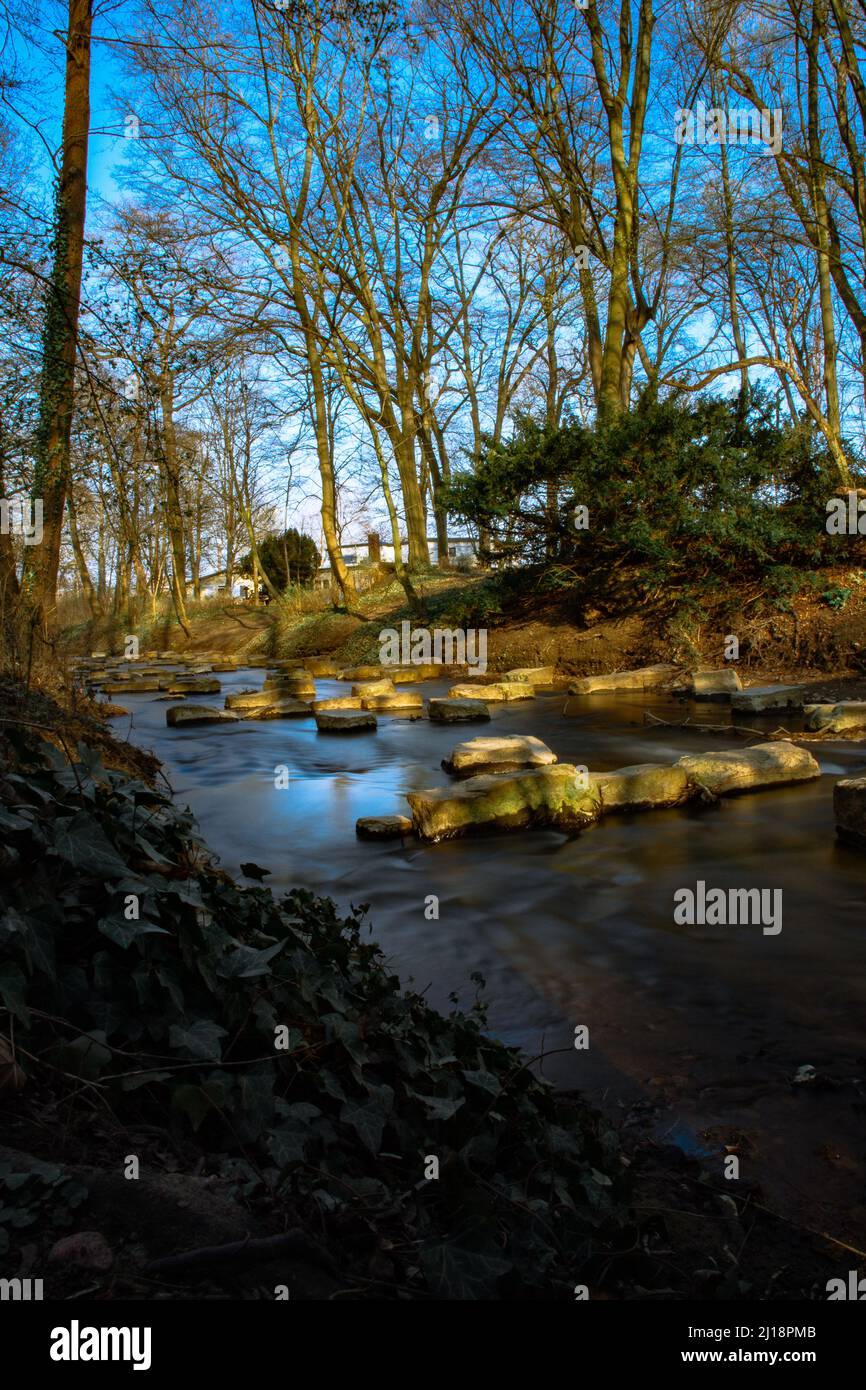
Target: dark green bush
<point>682,499</point>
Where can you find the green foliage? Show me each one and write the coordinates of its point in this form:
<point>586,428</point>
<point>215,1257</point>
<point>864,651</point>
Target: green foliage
<point>836,596</point>
<point>291,558</point>
<point>171,1014</point>
<point>683,500</point>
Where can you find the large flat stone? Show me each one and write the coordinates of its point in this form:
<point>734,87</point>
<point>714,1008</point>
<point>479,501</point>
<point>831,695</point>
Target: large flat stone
<point>252,699</point>
<point>499,755</point>
<point>191,687</point>
<point>849,808</point>
<point>642,787</point>
<point>756,698</point>
<point>443,710</point>
<point>362,673</point>
<point>396,700</point>
<point>338,702</point>
<point>505,801</point>
<point>646,678</point>
<point>345,721</point>
<point>496,692</point>
<point>130,687</point>
<point>841,718</point>
<point>714,685</point>
<point>383,686</point>
<point>177,715</point>
<point>287,708</point>
<point>533,675</point>
<point>749,769</point>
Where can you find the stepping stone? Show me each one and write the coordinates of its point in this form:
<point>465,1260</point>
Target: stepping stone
<point>849,808</point>
<point>533,675</point>
<point>197,714</point>
<point>383,686</point>
<point>301,683</point>
<point>746,769</point>
<point>279,709</point>
<point>192,687</point>
<point>130,687</point>
<point>646,678</point>
<point>396,700</point>
<point>383,827</point>
<point>497,692</point>
<point>756,698</point>
<point>338,702</point>
<point>345,721</point>
<point>842,718</point>
<point>499,755</point>
<point>362,673</point>
<point>713,685</point>
<point>539,796</point>
<point>262,699</point>
<point>642,787</point>
<point>443,710</point>
<point>321,666</point>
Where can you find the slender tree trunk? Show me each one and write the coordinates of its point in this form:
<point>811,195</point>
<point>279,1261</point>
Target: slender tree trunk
<point>60,332</point>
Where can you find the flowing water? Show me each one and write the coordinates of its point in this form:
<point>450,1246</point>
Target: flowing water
<point>695,1031</point>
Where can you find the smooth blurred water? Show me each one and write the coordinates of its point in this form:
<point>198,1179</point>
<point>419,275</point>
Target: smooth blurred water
<point>567,929</point>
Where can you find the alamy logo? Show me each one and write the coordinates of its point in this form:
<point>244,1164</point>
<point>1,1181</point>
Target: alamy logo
<point>77,1343</point>
<point>441,647</point>
<point>732,907</point>
<point>846,516</point>
<point>22,517</point>
<point>20,1290</point>
<point>714,126</point>
<point>854,1289</point>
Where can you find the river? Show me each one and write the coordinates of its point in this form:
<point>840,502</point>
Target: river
<point>695,1032</point>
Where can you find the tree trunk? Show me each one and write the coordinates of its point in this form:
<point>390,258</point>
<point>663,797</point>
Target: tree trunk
<point>60,332</point>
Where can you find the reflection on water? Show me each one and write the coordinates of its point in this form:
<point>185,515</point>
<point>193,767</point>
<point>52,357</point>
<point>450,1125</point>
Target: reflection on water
<point>566,929</point>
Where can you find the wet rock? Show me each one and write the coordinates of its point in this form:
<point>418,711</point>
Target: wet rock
<point>322,666</point>
<point>130,687</point>
<point>646,678</point>
<point>713,685</point>
<point>499,755</point>
<point>288,708</point>
<point>642,787</point>
<point>766,697</point>
<point>540,796</point>
<point>364,689</point>
<point>407,675</point>
<point>192,687</point>
<point>254,699</point>
<point>395,700</point>
<point>533,675</point>
<point>112,711</point>
<point>443,710</point>
<point>299,683</point>
<point>338,702</point>
<point>849,808</point>
<point>496,692</point>
<point>361,673</point>
<point>749,769</point>
<point>383,827</point>
<point>845,717</point>
<point>345,721</point>
<point>176,715</point>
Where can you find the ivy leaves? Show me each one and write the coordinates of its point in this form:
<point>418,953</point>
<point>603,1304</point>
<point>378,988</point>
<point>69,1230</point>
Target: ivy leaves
<point>183,1008</point>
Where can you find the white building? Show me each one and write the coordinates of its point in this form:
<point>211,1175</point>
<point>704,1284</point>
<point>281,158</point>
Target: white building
<point>462,550</point>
